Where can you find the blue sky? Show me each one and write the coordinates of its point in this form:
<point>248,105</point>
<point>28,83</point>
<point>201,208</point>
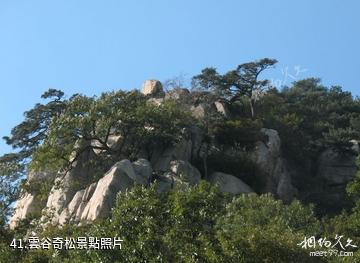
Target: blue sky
<point>89,46</point>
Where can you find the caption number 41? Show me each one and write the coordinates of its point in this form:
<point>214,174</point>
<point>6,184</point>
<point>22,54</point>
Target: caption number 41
<point>17,243</point>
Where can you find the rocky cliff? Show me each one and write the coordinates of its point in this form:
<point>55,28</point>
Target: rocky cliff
<point>176,164</point>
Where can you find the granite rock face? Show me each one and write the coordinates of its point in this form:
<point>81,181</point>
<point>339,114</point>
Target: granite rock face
<point>229,184</point>
<point>222,108</point>
<point>118,178</point>
<point>75,209</point>
<point>64,187</point>
<point>336,168</point>
<point>273,169</point>
<point>81,195</point>
<point>181,173</point>
<point>335,171</point>
<point>97,199</point>
<point>30,204</point>
<point>161,158</point>
<point>143,171</point>
<point>153,88</point>
<point>25,207</point>
<point>178,94</point>
<point>185,172</point>
<point>199,111</point>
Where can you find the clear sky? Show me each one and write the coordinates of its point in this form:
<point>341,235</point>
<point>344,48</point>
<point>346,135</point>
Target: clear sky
<point>86,46</point>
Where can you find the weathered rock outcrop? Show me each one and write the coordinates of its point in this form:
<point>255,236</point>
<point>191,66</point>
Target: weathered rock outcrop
<point>336,168</point>
<point>143,171</point>
<point>185,172</point>
<point>65,188</point>
<point>77,205</point>
<point>97,199</point>
<point>119,178</point>
<point>273,170</point>
<point>25,207</point>
<point>113,143</point>
<point>40,176</point>
<point>161,158</point>
<point>229,183</point>
<point>181,172</point>
<point>199,111</point>
<point>178,94</point>
<point>221,108</point>
<point>153,88</point>
<point>75,197</point>
<point>335,171</point>
<point>30,204</point>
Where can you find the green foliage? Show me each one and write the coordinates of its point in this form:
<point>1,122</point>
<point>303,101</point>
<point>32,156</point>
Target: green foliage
<point>193,213</point>
<point>317,116</point>
<point>262,229</point>
<point>236,84</point>
<point>33,130</point>
<point>353,188</point>
<point>241,133</point>
<point>234,138</point>
<point>10,171</point>
<point>38,188</point>
<point>140,125</point>
<point>188,224</point>
<point>163,228</point>
<point>64,132</point>
<point>25,138</point>
<point>199,224</point>
<point>196,224</point>
<point>162,125</point>
<point>346,224</point>
<point>139,218</point>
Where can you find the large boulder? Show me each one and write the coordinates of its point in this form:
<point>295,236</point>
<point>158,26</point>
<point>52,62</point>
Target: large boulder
<point>165,182</point>
<point>273,171</point>
<point>185,172</point>
<point>67,213</point>
<point>119,178</point>
<point>30,204</point>
<point>153,88</point>
<point>221,107</point>
<point>181,172</point>
<point>27,206</point>
<point>229,183</point>
<point>334,171</point>
<point>77,205</point>
<point>267,152</point>
<point>336,168</point>
<point>282,181</point>
<point>143,171</point>
<point>199,111</point>
<point>178,94</point>
<point>199,145</point>
<point>96,200</point>
<point>60,196</point>
<point>66,185</point>
<point>161,158</point>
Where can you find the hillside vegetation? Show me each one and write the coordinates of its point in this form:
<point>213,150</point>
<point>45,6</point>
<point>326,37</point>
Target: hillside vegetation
<point>236,171</point>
